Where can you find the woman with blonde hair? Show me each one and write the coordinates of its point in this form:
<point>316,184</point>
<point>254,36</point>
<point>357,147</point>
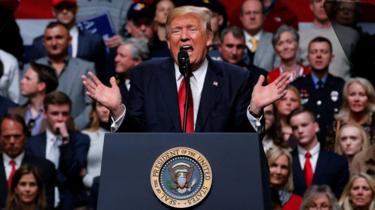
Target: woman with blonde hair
<point>359,193</point>
<point>281,177</point>
<point>351,139</point>
<point>358,105</point>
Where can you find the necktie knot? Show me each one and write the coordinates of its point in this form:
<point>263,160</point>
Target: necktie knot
<point>307,155</point>
<point>253,42</point>
<point>320,84</point>
<point>12,162</point>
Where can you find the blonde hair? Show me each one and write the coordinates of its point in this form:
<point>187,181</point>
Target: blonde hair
<point>273,154</point>
<point>363,135</point>
<point>202,13</point>
<point>344,201</point>
<point>345,112</point>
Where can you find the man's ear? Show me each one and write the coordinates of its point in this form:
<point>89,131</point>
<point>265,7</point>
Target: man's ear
<point>41,86</point>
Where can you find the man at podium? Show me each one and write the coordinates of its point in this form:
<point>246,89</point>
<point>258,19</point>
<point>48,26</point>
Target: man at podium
<point>221,99</point>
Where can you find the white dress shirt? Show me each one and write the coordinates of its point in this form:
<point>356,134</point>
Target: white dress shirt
<point>8,166</point>
<point>74,34</point>
<point>52,148</point>
<point>314,152</point>
<point>10,80</point>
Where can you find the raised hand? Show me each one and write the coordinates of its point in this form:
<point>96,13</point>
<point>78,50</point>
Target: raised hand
<point>109,97</point>
<point>265,95</point>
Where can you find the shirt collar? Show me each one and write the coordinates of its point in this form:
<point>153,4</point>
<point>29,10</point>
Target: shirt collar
<point>316,79</point>
<point>197,74</point>
<point>257,36</point>
<point>18,159</point>
<point>73,31</point>
<point>313,151</point>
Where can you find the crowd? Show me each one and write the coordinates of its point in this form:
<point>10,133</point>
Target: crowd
<point>319,137</point>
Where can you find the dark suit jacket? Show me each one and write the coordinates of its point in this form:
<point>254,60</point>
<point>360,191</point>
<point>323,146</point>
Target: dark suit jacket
<point>5,104</point>
<point>331,169</point>
<point>90,47</point>
<point>73,157</point>
<point>153,104</point>
<point>47,173</point>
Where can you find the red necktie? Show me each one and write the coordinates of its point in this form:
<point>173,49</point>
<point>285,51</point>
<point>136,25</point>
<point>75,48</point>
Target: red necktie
<point>12,172</point>
<point>308,170</point>
<point>181,104</point>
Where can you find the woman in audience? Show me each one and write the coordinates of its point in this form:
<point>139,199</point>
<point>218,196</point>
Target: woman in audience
<point>319,197</point>
<point>26,191</point>
<point>163,8</point>
<point>281,178</point>
<point>285,42</point>
<point>350,140</point>
<point>284,106</point>
<point>359,193</point>
<point>98,127</point>
<point>358,105</point>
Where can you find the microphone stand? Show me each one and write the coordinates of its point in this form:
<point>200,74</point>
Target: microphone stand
<point>184,66</point>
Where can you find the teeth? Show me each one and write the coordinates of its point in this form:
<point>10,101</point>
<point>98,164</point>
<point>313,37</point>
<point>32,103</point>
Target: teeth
<point>186,47</point>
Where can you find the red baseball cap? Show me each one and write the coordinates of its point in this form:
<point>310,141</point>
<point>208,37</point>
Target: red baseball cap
<point>57,2</point>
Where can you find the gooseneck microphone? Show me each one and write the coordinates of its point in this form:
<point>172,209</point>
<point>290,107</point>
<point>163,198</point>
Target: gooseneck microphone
<point>185,70</point>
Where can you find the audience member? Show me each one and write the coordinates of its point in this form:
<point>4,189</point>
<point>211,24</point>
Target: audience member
<point>163,8</point>
<point>232,50</point>
<point>98,127</point>
<point>321,91</point>
<point>364,162</point>
<point>66,148</point>
<point>37,81</point>
<point>281,177</point>
<point>285,42</point>
<point>82,44</point>
<point>350,140</point>
<point>313,165</point>
<point>27,191</point>
<point>13,134</point>
<point>9,77</point>
<point>68,70</point>
<point>260,51</point>
<point>129,54</point>
<point>272,128</point>
<point>319,197</point>
<point>284,106</point>
<point>358,105</point>
<point>359,193</point>
<point>343,39</point>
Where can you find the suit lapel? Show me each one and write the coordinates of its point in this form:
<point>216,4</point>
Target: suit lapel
<point>3,180</point>
<point>298,171</point>
<point>320,166</point>
<point>167,82</point>
<point>210,94</point>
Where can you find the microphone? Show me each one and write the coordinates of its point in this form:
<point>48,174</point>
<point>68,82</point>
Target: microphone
<point>183,62</point>
<point>185,70</point>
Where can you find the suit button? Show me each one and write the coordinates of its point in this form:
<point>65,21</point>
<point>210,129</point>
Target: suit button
<point>318,102</point>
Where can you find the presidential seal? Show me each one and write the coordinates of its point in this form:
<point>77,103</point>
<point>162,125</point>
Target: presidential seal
<point>181,177</point>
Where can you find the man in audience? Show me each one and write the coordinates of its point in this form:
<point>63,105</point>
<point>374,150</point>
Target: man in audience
<point>343,39</point>
<point>311,164</point>
<point>129,54</point>
<point>13,134</point>
<point>232,49</point>
<point>321,92</point>
<point>260,51</point>
<point>84,45</point>
<point>63,146</point>
<point>68,69</point>
<point>37,81</point>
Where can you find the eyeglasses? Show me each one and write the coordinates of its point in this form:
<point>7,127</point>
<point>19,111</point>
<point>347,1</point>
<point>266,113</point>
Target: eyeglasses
<point>320,207</point>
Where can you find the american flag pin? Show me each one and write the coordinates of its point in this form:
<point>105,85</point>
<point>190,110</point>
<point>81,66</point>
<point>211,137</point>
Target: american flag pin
<point>215,83</point>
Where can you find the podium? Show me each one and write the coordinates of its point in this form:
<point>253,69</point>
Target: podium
<point>239,178</point>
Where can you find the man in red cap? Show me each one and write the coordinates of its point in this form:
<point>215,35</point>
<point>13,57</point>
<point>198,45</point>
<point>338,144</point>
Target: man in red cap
<point>84,45</point>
